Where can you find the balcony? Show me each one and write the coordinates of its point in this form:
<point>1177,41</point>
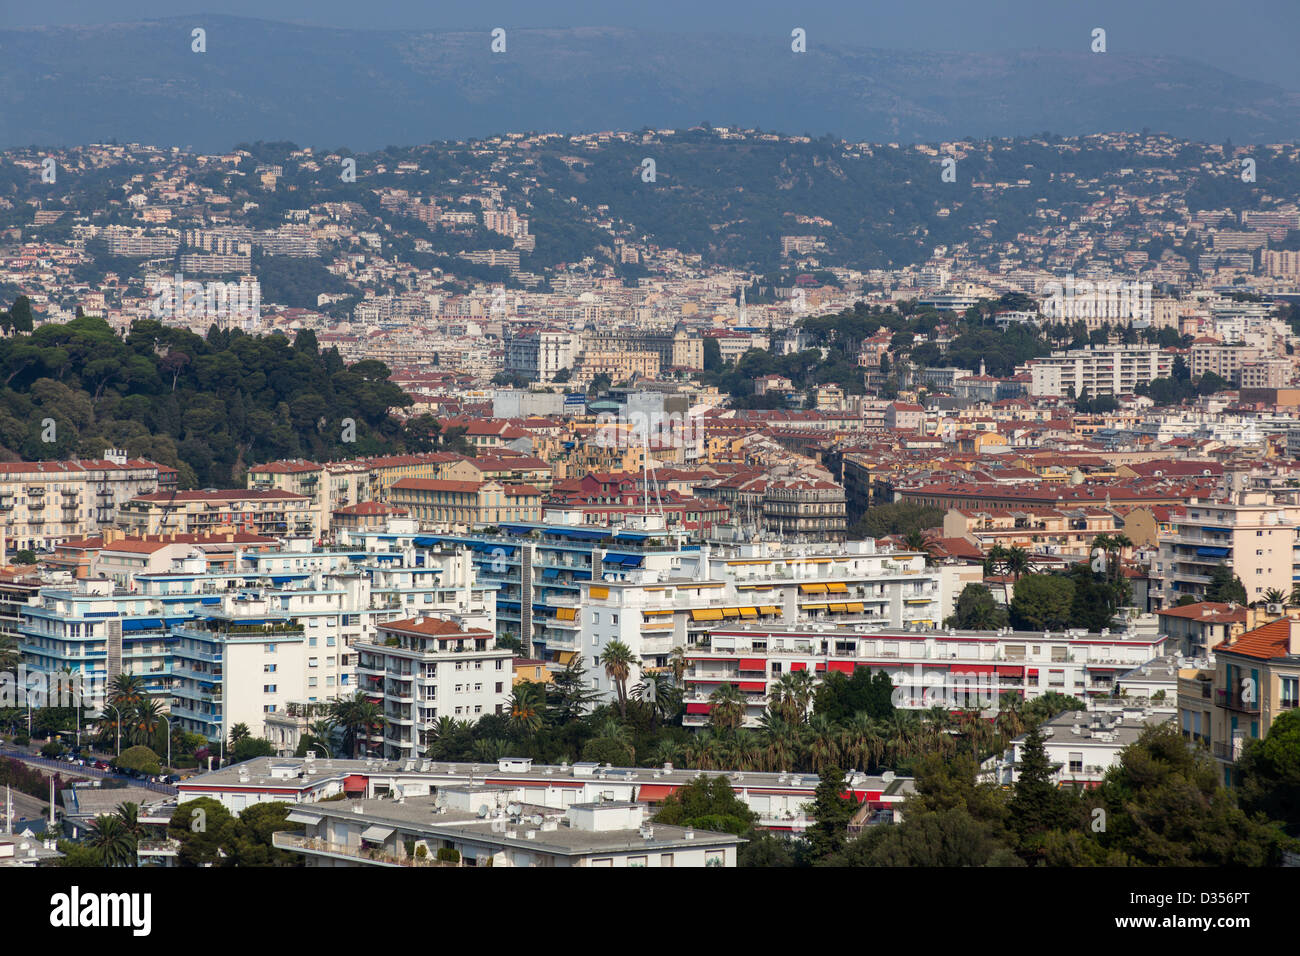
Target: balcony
<point>362,855</point>
<point>1232,700</point>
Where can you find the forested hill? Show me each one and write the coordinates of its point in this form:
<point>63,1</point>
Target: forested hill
<point>209,407</point>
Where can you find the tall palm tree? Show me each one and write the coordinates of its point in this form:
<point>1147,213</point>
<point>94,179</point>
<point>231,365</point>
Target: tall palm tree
<point>526,706</point>
<point>677,664</point>
<point>237,733</point>
<point>145,721</point>
<point>1017,562</point>
<point>657,692</point>
<point>860,742</point>
<point>129,814</point>
<point>917,540</point>
<point>747,750</point>
<point>112,840</point>
<point>995,561</point>
<point>823,743</point>
<point>726,708</point>
<point>322,731</point>
<point>668,751</point>
<point>618,660</point>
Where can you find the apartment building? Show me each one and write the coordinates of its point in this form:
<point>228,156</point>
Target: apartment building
<point>328,486</point>
<point>805,508</point>
<point>1096,370</point>
<point>271,512</point>
<point>1254,680</point>
<point>1069,531</point>
<point>959,670</point>
<point>424,668</point>
<point>447,504</point>
<point>1249,531</point>
<point>539,355</point>
<point>45,502</point>
<point>654,610</point>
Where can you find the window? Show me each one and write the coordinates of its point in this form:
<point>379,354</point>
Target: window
<point>478,687</point>
<point>666,859</point>
<point>311,662</point>
<point>1290,692</point>
<point>499,662</point>
<point>269,648</point>
<point>1076,763</point>
<point>268,668</point>
<point>268,688</point>
<point>498,687</point>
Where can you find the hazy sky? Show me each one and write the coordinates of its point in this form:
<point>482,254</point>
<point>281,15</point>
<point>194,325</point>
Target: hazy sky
<point>1251,38</point>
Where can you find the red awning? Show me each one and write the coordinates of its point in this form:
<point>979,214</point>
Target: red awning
<point>753,664</point>
<point>655,791</point>
<point>355,783</point>
<point>844,667</point>
<point>821,667</point>
<point>1005,671</point>
<point>697,708</point>
<point>798,666</point>
<point>1032,672</point>
<point>973,669</point>
<point>753,686</point>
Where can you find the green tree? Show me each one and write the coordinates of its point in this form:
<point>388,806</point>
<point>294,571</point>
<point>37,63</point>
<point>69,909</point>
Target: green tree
<point>1270,773</point>
<point>1037,806</point>
<point>619,660</point>
<point>977,611</point>
<point>140,759</point>
<point>831,811</point>
<point>1042,602</point>
<point>1225,587</point>
<point>199,826</point>
<point>707,803</point>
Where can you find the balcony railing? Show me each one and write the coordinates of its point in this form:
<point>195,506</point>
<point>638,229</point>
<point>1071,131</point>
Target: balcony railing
<point>1234,700</point>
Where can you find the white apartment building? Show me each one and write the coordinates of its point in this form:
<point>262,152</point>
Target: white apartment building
<point>538,356</point>
<point>1097,370</point>
<point>958,670</point>
<point>424,668</point>
<point>656,607</point>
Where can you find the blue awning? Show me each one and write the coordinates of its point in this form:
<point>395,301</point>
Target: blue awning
<point>1213,552</point>
<point>578,534</point>
<point>424,541</point>
<point>550,573</point>
<point>142,624</point>
<point>281,578</point>
<point>631,536</point>
<point>210,600</point>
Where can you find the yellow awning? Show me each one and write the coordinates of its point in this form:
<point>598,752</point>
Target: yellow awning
<point>657,613</point>
<point>749,612</point>
<point>769,609</point>
<point>599,593</point>
<point>839,586</point>
<point>855,607</point>
<point>814,607</point>
<point>707,614</point>
<point>839,607</point>
<point>813,588</point>
<point>566,614</point>
<point>730,612</point>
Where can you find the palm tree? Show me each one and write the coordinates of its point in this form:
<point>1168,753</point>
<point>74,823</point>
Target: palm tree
<point>1017,562</point>
<point>747,750</point>
<point>995,561</point>
<point>726,708</point>
<point>126,690</point>
<point>860,741</point>
<point>351,714</point>
<point>918,540</point>
<point>667,751</point>
<point>145,721</point>
<point>657,692</point>
<point>526,706</point>
<point>1273,596</point>
<point>677,664</point>
<point>1010,721</point>
<point>823,743</point>
<point>129,814</point>
<point>110,837</point>
<point>237,733</point>
<point>1293,599</point>
<point>618,660</point>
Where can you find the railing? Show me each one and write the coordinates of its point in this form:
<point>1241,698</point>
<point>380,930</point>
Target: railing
<point>287,840</point>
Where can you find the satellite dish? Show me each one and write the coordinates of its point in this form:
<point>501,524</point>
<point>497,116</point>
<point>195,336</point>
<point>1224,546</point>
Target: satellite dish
<point>482,810</point>
<point>513,809</point>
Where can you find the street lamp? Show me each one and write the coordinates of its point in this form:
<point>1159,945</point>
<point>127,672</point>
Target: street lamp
<point>118,724</point>
<point>169,740</point>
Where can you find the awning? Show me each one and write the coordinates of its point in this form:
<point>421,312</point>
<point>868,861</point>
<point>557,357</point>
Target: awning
<point>855,607</point>
<point>753,686</point>
<point>354,783</point>
<point>1009,671</point>
<point>697,708</point>
<point>146,624</point>
<point>844,667</point>
<point>753,664</point>
<point>550,572</point>
<point>1213,552</point>
<point>566,613</point>
<point>599,593</point>
<point>652,792</point>
<point>707,614</point>
<point>1032,672</point>
<point>730,612</point>
<point>974,669</point>
<point>837,587</point>
<point>839,608</point>
<point>298,816</point>
<point>814,607</point>
<point>769,609</point>
<point>812,588</point>
<point>748,611</point>
<point>376,833</point>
